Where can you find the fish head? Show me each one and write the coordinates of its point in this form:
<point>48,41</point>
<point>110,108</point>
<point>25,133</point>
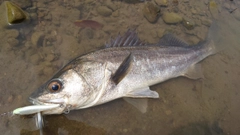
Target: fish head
<point>68,89</point>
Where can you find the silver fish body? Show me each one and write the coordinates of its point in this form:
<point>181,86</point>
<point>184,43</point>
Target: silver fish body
<point>115,72</point>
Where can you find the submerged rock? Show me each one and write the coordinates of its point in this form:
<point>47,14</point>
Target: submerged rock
<point>188,23</point>
<point>104,11</point>
<point>171,18</point>
<point>213,7</point>
<point>151,12</point>
<point>11,14</point>
<point>163,3</point>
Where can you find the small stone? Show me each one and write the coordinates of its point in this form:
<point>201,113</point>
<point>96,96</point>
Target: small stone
<point>151,12</point>
<point>13,41</point>
<point>171,18</point>
<point>213,7</point>
<point>48,71</point>
<point>104,11</point>
<point>35,59</point>
<point>19,97</point>
<point>50,57</point>
<point>15,14</point>
<point>12,33</point>
<point>125,130</point>
<point>10,99</point>
<point>193,40</point>
<point>188,23</point>
<point>160,32</point>
<point>168,112</point>
<point>37,39</point>
<point>206,22</point>
<point>163,3</point>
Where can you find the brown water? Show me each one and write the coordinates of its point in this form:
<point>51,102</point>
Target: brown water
<point>209,106</point>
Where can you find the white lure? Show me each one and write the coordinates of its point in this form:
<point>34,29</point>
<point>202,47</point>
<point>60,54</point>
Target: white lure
<point>33,109</point>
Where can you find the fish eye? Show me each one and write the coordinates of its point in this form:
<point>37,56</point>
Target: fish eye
<point>55,86</point>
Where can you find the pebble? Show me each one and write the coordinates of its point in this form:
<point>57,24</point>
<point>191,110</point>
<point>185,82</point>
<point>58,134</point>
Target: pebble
<point>12,33</point>
<point>168,112</point>
<point>171,18</point>
<point>163,3</point>
<point>50,57</point>
<point>206,22</point>
<point>37,38</point>
<point>213,7</point>
<point>160,32</point>
<point>10,99</point>
<point>12,41</point>
<point>35,59</point>
<point>19,97</point>
<point>151,12</point>
<point>104,11</point>
<point>188,23</point>
<point>193,40</point>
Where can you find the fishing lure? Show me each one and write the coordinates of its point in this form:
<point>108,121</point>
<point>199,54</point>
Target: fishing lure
<point>33,109</point>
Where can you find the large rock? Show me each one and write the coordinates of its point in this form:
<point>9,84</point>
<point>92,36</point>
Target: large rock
<point>171,18</point>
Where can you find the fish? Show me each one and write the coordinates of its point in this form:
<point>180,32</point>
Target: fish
<point>125,68</point>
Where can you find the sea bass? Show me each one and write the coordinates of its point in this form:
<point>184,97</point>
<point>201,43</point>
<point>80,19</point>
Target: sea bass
<point>125,68</point>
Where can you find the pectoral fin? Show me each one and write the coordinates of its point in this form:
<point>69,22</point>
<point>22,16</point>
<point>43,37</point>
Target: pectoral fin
<point>140,104</point>
<point>194,72</point>
<point>143,93</point>
<point>122,70</point>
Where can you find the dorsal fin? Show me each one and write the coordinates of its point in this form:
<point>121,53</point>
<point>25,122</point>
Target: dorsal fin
<point>170,40</point>
<point>130,38</point>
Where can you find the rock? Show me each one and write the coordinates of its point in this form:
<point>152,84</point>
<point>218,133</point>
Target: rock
<point>151,12</point>
<point>35,59</point>
<point>206,22</point>
<point>171,18</point>
<point>163,3</point>
<point>10,99</point>
<point>11,14</point>
<point>160,32</point>
<point>12,41</point>
<point>37,39</point>
<point>213,7</point>
<point>104,11</point>
<point>15,14</point>
<point>50,57</point>
<point>188,23</point>
<point>193,40</point>
<point>12,33</point>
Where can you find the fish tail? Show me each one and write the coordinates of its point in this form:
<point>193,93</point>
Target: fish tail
<point>213,46</point>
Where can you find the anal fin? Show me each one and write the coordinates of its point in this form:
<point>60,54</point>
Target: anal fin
<point>140,104</point>
<point>143,93</point>
<point>194,72</point>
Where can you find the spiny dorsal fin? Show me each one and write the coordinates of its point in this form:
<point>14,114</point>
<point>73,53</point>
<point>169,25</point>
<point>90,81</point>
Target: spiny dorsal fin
<point>122,69</point>
<point>170,40</point>
<point>130,38</point>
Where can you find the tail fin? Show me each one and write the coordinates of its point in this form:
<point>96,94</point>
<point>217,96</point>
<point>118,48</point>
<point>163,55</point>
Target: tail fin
<point>214,37</point>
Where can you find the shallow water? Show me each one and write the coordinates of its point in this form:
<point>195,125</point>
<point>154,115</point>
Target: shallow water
<point>185,107</point>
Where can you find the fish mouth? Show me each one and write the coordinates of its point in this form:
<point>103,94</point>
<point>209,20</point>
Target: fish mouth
<point>42,101</point>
